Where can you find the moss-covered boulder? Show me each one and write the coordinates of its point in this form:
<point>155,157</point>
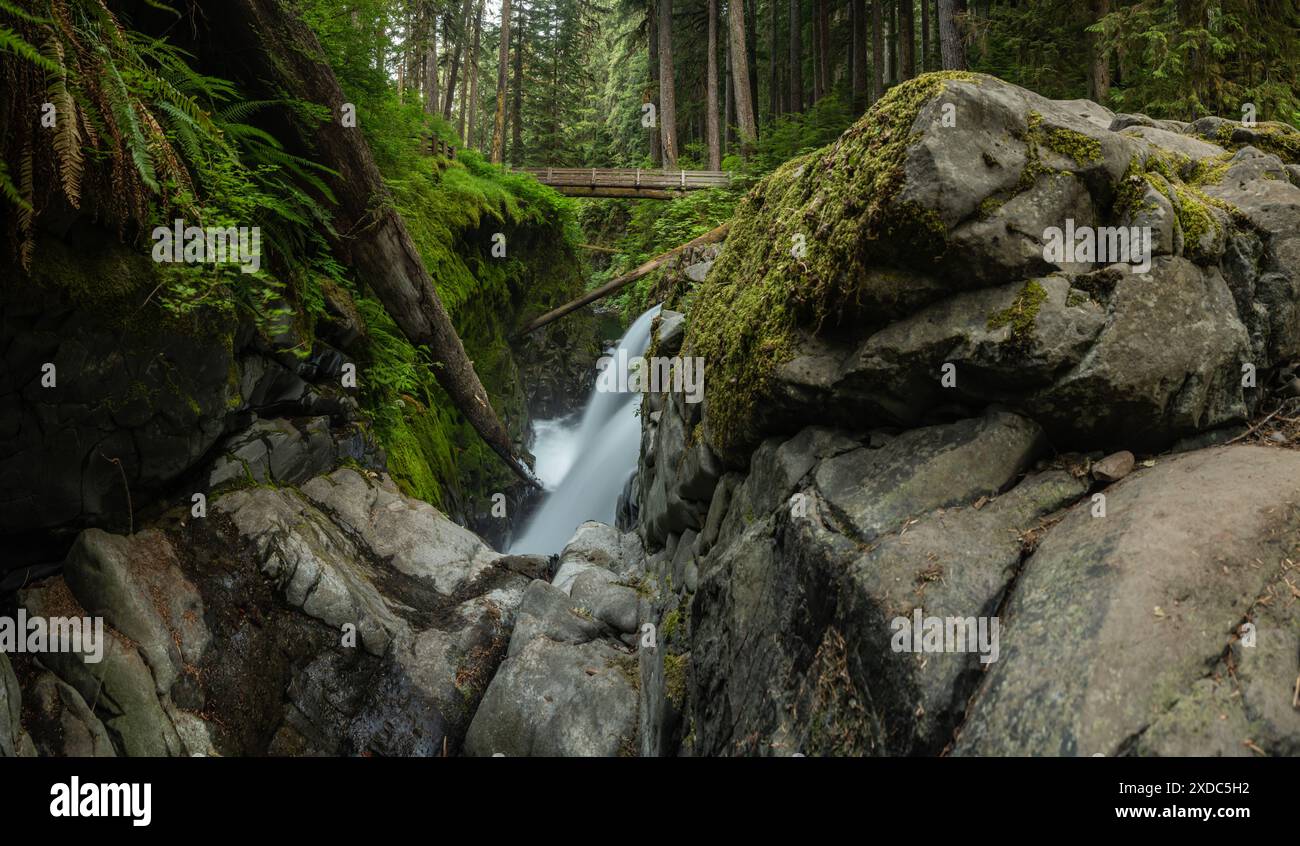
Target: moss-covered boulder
<point>922,238</point>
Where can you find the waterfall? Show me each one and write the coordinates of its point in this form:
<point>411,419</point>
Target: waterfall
<point>584,464</point>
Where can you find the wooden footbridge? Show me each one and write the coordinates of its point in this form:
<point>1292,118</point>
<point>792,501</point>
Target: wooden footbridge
<point>627,182</point>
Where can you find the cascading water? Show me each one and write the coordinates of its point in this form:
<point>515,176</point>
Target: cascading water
<point>584,466</point>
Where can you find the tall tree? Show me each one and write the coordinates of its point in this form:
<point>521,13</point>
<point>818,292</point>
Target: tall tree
<point>459,31</point>
<point>906,39</point>
<point>952,49</point>
<point>714,140</point>
<point>667,86</point>
<point>503,63</point>
<point>824,51</point>
<point>652,33</point>
<point>796,56</point>
<point>1099,64</point>
<point>773,76</point>
<point>877,51</point>
<point>859,54</point>
<point>471,70</point>
<point>751,54</point>
<point>745,125</point>
<point>926,64</point>
<point>517,113</point>
<point>431,61</point>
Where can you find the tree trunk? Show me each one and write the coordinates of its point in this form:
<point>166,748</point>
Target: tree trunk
<point>925,63</point>
<point>667,90</point>
<point>951,48</point>
<point>431,64</point>
<point>906,39</point>
<point>796,56</point>
<point>1099,66</point>
<point>710,237</point>
<point>517,113</point>
<point>282,54</point>
<point>773,75</point>
<point>729,96</point>
<point>652,33</point>
<point>503,62</point>
<point>740,78</point>
<point>471,71</point>
<point>877,51</point>
<point>891,43</point>
<point>456,59</point>
<point>815,65</point>
<point>751,54</point>
<point>711,83</point>
<point>824,52</point>
<point>859,55</point>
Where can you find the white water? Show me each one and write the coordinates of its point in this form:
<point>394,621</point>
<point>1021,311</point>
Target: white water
<point>585,460</point>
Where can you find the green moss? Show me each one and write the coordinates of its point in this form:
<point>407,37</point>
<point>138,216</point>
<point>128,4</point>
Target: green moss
<point>842,202</point>
<point>675,679</point>
<point>1210,170</point>
<point>1021,314</point>
<point>1280,139</point>
<point>989,206</point>
<point>629,667</point>
<point>1076,298</point>
<point>1075,145</point>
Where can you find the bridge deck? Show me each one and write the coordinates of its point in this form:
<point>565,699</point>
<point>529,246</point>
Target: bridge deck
<point>626,182</point>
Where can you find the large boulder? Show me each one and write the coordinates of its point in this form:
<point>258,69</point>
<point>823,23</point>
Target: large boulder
<point>903,273</point>
<point>1121,624</point>
<point>569,684</point>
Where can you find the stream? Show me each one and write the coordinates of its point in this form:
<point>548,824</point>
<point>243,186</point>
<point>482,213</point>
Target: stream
<point>584,459</point>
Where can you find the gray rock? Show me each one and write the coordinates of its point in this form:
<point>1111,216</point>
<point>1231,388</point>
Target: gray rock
<point>12,736</point>
<point>65,725</point>
<point>553,699</point>
<point>1115,620</point>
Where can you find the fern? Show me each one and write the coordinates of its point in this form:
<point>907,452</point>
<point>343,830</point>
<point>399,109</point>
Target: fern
<point>67,135</point>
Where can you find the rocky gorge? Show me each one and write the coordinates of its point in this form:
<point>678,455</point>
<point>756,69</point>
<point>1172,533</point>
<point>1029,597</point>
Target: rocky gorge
<point>907,408</point>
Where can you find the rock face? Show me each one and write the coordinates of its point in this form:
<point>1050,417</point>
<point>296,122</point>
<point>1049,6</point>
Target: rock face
<point>93,406</point>
<point>948,562</point>
<point>340,618</point>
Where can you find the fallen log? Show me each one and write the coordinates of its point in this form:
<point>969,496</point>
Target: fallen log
<point>279,51</point>
<point>712,236</point>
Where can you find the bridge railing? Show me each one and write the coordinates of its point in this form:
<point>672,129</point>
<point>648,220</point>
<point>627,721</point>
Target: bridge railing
<point>597,177</point>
